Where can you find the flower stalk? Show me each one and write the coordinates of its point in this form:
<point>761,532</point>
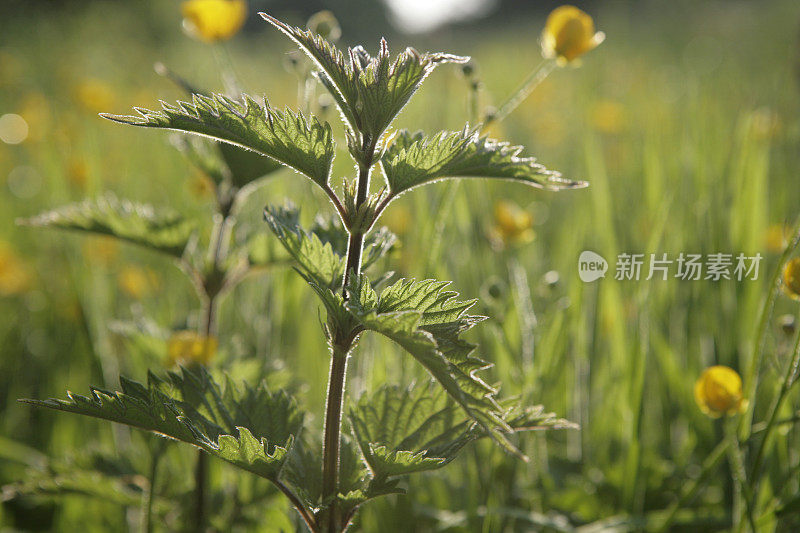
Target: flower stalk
<point>530,83</point>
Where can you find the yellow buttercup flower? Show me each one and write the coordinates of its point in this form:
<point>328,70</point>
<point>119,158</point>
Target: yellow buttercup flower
<point>791,278</point>
<point>186,347</point>
<point>568,34</point>
<point>213,20</point>
<point>512,224</point>
<point>718,392</point>
<point>15,275</point>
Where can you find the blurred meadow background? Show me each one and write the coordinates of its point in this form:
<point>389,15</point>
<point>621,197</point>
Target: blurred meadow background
<point>684,121</point>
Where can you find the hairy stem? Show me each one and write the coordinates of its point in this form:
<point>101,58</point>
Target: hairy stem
<point>355,244</point>
<point>339,354</point>
<point>333,424</point>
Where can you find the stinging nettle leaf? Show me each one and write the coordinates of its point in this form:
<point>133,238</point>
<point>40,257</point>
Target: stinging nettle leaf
<point>218,160</point>
<point>427,321</point>
<point>316,260</point>
<point>401,431</point>
<point>320,253</point>
<point>370,91</point>
<point>166,232</point>
<point>287,137</point>
<point>415,159</point>
<point>377,242</point>
<point>191,407</point>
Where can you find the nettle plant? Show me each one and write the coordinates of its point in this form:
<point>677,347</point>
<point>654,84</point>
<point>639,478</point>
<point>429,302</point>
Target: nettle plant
<point>396,430</point>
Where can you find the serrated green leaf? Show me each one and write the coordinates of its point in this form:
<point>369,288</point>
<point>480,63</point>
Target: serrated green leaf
<point>285,136</point>
<point>166,232</point>
<point>398,429</point>
<point>303,475</point>
<point>406,430</point>
<point>427,321</point>
<point>370,91</point>
<point>219,160</point>
<point>190,407</point>
<point>414,159</point>
<point>377,242</point>
<point>91,474</point>
<point>320,252</point>
<point>316,260</point>
<point>76,482</point>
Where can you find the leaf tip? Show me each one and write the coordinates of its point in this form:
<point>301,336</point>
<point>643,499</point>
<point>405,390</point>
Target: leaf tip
<point>269,18</point>
<point>121,119</point>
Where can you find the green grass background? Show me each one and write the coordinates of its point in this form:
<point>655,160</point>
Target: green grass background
<point>685,122</point>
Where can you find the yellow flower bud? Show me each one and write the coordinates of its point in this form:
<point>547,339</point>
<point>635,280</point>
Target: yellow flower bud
<point>213,20</point>
<point>512,224</point>
<point>791,278</point>
<point>190,347</point>
<point>568,34</point>
<point>718,392</point>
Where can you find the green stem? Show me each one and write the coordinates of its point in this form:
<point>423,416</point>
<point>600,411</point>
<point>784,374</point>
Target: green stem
<point>743,494</point>
<point>200,481</point>
<point>772,419</point>
<point>147,522</point>
<point>217,250</point>
<point>536,77</point>
<point>355,245</point>
<point>333,424</point>
<point>690,491</point>
<point>307,517</point>
<point>339,353</point>
<point>751,377</point>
